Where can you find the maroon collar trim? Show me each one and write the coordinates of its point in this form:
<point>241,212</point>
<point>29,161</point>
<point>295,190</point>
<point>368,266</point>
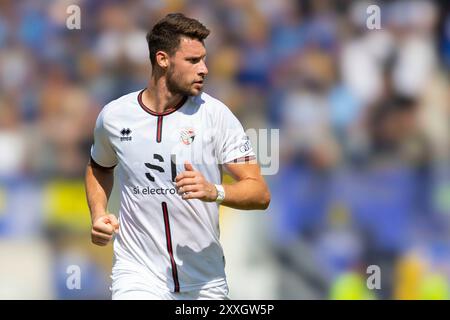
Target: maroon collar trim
<point>165,113</point>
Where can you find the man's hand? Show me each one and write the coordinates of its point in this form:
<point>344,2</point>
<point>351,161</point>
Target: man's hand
<point>192,185</point>
<point>103,229</point>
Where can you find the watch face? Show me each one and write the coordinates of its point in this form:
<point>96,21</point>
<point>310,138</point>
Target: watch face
<point>220,194</point>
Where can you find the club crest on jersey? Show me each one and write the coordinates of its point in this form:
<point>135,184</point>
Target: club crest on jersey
<point>125,132</point>
<point>187,135</point>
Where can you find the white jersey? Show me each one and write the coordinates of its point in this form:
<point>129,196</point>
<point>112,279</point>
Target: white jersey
<point>173,243</point>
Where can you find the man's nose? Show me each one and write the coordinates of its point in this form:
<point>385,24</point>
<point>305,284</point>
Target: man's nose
<point>203,71</point>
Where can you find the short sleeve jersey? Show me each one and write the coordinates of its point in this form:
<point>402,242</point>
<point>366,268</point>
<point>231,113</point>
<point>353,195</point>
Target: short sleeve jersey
<point>174,242</point>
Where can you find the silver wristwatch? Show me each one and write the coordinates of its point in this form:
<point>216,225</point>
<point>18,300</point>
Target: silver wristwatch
<point>220,193</point>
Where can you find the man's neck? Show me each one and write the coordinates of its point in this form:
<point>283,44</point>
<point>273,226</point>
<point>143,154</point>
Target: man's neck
<point>158,98</point>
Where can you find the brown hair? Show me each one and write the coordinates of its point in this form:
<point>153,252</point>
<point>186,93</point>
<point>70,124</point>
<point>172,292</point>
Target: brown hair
<point>165,35</point>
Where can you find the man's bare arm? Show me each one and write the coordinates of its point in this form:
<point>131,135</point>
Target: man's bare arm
<point>249,192</point>
<point>99,183</point>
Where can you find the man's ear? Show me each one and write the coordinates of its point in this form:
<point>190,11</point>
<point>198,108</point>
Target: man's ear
<point>162,59</point>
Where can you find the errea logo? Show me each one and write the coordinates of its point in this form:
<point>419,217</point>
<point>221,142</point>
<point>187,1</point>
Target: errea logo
<point>125,132</point>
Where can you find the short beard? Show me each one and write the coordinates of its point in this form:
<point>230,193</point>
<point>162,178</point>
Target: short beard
<point>174,87</point>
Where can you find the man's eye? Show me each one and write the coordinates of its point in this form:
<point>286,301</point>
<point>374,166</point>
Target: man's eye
<point>194,60</point>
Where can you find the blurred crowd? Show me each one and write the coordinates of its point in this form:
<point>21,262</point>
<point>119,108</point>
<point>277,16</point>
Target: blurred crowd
<point>363,114</point>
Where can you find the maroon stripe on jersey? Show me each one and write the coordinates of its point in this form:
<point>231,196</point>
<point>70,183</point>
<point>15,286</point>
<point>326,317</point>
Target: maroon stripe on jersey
<point>169,247</point>
<point>159,129</point>
<point>165,113</point>
<point>244,159</point>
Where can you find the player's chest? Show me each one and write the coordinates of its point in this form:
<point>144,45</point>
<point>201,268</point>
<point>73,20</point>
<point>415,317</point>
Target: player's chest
<point>164,137</point>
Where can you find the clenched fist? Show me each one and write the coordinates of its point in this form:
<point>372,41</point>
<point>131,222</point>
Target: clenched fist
<point>103,229</point>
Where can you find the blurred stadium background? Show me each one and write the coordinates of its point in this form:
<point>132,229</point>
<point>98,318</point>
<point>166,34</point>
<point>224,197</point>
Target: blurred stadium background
<point>363,115</point>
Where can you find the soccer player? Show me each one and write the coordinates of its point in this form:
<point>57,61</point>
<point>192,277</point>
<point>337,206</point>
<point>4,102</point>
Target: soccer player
<point>170,142</point>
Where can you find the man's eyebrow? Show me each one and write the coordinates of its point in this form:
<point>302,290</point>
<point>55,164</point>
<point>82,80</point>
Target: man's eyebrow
<point>196,57</point>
